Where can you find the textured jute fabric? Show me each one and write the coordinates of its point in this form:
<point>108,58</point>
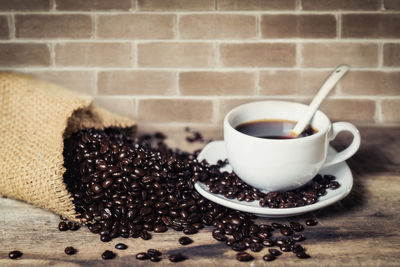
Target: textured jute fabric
<point>35,117</point>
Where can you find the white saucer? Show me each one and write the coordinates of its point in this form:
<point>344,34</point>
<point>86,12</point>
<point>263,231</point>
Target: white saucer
<point>215,151</point>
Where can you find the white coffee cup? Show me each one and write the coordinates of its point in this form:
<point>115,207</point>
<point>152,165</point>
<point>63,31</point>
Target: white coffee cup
<point>282,164</point>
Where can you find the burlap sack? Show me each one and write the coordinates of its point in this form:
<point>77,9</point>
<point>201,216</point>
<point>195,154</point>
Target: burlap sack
<point>35,116</point>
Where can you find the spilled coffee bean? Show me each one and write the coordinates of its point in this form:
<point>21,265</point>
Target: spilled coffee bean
<point>154,252</point>
<point>184,240</point>
<point>311,222</point>
<point>108,255</point>
<point>130,187</point>
<point>269,257</point>
<point>142,256</point>
<point>121,246</point>
<point>15,254</point>
<point>244,256</point>
<point>70,250</point>
<point>177,257</point>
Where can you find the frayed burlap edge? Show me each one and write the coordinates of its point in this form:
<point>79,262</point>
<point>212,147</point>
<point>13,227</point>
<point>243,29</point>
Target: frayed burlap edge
<point>35,116</point>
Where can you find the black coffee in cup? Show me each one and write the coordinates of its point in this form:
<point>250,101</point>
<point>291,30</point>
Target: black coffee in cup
<point>272,129</point>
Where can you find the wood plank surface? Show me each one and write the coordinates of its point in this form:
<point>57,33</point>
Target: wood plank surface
<point>360,230</point>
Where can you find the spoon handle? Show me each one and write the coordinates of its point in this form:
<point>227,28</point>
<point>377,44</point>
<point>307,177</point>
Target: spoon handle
<point>322,93</point>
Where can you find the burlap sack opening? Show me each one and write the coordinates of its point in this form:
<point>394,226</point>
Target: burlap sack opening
<point>35,117</point>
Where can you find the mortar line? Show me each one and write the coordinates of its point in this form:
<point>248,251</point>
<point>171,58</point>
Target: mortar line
<point>378,112</point>
<point>95,88</point>
<point>177,34</point>
<point>12,26</point>
<point>225,69</point>
<point>177,84</point>
<point>380,55</point>
<point>94,27</point>
<point>53,5</point>
<point>224,12</point>
<point>52,55</point>
<point>209,41</point>
<point>257,83</point>
<point>339,26</point>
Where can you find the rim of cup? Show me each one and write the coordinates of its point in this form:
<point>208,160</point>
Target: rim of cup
<point>309,137</point>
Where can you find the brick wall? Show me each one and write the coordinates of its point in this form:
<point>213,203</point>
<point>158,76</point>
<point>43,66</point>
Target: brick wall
<point>190,61</point>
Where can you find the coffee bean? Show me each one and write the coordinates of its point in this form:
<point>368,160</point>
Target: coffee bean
<point>302,255</point>
<point>277,225</point>
<point>142,256</point>
<point>121,246</point>
<point>62,226</point>
<point>269,257</point>
<point>311,222</point>
<point>286,231</point>
<point>153,252</point>
<point>154,259</point>
<point>219,236</point>
<point>298,237</point>
<point>184,240</point>
<point>256,247</point>
<point>334,185</point>
<point>268,243</point>
<point>244,256</point>
<point>297,248</point>
<point>286,248</point>
<point>70,250</point>
<point>15,254</point>
<point>238,246</point>
<point>145,235</point>
<point>177,257</point>
<point>189,230</point>
<point>105,238</point>
<point>108,255</point>
<point>73,226</point>
<point>297,227</point>
<point>274,252</point>
<point>230,242</point>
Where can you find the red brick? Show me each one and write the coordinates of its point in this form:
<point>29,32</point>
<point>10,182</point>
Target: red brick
<point>334,54</point>
<point>351,110</point>
<point>118,105</point>
<point>53,26</point>
<point>24,55</point>
<point>298,26</point>
<point>371,25</point>
<point>80,81</point>
<point>217,26</point>
<point>256,4</point>
<point>176,5</point>
<point>391,4</point>
<point>4,30</point>
<point>391,55</point>
<point>371,83</point>
<point>93,54</point>
<point>258,55</point>
<point>136,83</point>
<point>170,55</point>
<point>87,5</point>
<point>301,83</point>
<point>136,26</point>
<point>217,83</point>
<point>340,5</point>
<point>391,111</point>
<point>22,5</point>
<point>175,110</point>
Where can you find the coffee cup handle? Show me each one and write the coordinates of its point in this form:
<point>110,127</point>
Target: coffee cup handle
<point>338,127</point>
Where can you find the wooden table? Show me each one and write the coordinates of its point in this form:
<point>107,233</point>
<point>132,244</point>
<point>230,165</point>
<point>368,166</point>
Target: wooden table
<point>361,230</point>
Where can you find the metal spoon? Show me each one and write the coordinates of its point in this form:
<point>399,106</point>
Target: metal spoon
<point>337,74</point>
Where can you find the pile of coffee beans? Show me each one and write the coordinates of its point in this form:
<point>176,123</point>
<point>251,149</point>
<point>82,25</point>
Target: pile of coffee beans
<point>232,187</point>
<point>129,187</point>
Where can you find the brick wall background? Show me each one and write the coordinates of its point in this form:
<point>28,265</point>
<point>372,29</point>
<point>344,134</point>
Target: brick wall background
<point>188,62</point>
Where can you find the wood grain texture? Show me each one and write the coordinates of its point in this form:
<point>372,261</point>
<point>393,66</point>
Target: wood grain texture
<point>361,230</point>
